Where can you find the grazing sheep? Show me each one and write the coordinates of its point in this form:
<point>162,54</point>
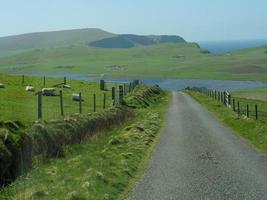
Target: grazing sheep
<point>30,88</point>
<point>48,91</point>
<point>76,97</point>
<point>66,86</point>
<point>2,85</point>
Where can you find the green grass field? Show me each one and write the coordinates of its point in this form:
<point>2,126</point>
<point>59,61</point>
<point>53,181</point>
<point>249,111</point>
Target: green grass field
<point>20,105</point>
<point>104,167</point>
<point>170,60</point>
<point>254,131</point>
<point>255,93</point>
<point>252,97</point>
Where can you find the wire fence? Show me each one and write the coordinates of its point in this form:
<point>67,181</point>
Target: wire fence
<point>60,99</point>
<point>249,108</point>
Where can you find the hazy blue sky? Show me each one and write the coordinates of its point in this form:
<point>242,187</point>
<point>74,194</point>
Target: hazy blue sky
<point>195,20</point>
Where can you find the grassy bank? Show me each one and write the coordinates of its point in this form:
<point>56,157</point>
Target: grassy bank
<point>254,131</point>
<point>99,168</point>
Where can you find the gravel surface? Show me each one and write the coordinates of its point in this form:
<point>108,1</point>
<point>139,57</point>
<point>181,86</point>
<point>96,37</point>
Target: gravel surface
<point>199,158</point>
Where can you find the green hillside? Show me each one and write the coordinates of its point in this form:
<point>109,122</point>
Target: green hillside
<point>78,37</point>
<point>168,60</point>
<point>52,39</point>
<point>130,41</point>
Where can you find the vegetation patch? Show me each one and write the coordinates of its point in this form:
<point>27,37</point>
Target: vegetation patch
<point>249,69</point>
<point>65,67</point>
<point>205,51</point>
<point>116,67</point>
<point>142,97</point>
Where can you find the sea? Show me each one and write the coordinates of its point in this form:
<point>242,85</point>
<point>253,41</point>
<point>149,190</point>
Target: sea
<point>220,47</point>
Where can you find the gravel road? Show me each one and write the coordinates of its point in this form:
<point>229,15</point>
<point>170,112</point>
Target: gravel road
<point>199,158</point>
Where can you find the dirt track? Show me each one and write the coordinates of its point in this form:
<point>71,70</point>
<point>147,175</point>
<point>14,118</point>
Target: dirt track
<point>199,158</point>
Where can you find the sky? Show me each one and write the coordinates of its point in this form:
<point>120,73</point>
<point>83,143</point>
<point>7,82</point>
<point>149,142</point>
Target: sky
<point>195,20</point>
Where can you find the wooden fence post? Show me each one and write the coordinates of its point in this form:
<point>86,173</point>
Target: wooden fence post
<point>102,84</point>
<point>124,89</point>
<point>104,101</point>
<point>234,105</point>
<point>135,82</point>
<point>256,111</point>
<point>65,80</point>
<point>44,81</point>
<point>80,103</point>
<point>61,103</point>
<point>40,105</point>
<point>247,111</point>
<point>120,94</point>
<point>113,95</point>
<point>229,99</point>
<point>94,102</point>
<point>224,98</point>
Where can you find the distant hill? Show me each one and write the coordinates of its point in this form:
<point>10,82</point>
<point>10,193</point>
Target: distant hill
<point>52,39</point>
<point>78,37</point>
<point>129,41</point>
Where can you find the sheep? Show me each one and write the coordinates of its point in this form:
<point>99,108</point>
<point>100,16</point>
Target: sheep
<point>66,86</point>
<point>30,88</point>
<point>2,85</point>
<point>48,91</point>
<point>76,97</point>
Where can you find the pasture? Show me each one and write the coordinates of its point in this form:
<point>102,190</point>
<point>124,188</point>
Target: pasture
<point>256,93</point>
<point>17,104</point>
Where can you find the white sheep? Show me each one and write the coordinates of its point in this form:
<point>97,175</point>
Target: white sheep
<point>66,86</point>
<point>48,91</point>
<point>76,97</point>
<point>30,88</point>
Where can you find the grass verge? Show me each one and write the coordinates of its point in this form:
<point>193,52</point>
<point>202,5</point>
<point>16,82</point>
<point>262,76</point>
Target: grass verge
<point>254,131</point>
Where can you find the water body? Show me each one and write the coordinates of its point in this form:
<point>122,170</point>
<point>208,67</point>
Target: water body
<point>170,84</point>
<point>219,47</point>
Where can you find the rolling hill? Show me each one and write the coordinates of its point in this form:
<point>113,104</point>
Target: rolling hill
<point>78,37</point>
<point>52,39</point>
